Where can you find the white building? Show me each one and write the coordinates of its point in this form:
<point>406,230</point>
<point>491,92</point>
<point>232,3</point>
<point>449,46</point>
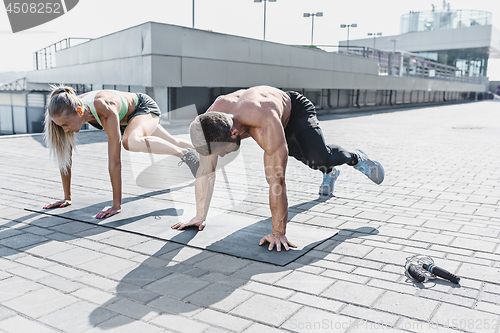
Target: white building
<point>179,66</point>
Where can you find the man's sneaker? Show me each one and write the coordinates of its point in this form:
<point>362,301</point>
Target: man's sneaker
<point>192,160</point>
<point>372,169</point>
<point>326,188</point>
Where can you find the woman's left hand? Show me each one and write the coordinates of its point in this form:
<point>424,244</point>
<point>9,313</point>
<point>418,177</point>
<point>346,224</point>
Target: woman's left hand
<point>108,211</point>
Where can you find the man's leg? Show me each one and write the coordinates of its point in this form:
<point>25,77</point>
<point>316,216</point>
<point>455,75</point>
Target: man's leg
<point>320,156</point>
<point>309,148</point>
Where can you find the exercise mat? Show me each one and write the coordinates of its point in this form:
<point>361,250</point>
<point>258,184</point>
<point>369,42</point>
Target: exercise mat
<point>227,232</point>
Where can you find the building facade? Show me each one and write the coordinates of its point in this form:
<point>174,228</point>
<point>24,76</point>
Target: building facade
<point>465,39</point>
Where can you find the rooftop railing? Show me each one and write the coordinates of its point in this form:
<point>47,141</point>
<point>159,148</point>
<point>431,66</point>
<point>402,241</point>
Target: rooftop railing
<point>407,64</point>
<point>46,57</point>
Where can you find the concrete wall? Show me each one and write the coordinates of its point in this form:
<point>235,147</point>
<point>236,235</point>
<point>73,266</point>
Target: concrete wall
<point>435,40</point>
<point>162,55</point>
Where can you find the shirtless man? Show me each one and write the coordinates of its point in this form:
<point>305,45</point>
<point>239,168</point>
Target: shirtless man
<point>283,124</point>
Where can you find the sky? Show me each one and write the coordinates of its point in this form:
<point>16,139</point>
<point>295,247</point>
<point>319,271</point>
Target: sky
<point>285,21</point>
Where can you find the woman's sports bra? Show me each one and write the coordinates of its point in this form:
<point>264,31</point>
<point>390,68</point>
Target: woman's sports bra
<point>89,101</point>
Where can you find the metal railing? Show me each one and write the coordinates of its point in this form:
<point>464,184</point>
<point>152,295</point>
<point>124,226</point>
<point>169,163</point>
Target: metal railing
<point>16,85</point>
<point>407,64</point>
<point>46,57</point>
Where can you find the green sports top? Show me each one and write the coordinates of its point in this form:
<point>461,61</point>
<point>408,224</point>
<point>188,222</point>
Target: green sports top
<point>89,101</point>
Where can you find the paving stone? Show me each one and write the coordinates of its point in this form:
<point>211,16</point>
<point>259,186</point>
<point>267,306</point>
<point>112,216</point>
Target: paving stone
<point>123,324</point>
<point>93,295</point>
<point>313,320</point>
<point>21,325</point>
<point>40,302</point>
<point>406,305</point>
<point>259,328</point>
<point>262,272</point>
<point>16,286</point>
<point>177,285</point>
<point>32,273</point>
<point>133,309</point>
<point>141,275</point>
<point>174,306</point>
<point>222,320</point>
<point>380,317</point>
<point>482,273</point>
<point>4,313</point>
<point>352,293</point>
<point>22,240</point>
<point>466,319</point>
<point>50,248</point>
<point>266,309</point>
<point>179,324</point>
<point>76,256</point>
<point>155,247</point>
<point>78,317</point>
<point>317,302</point>
<point>305,282</point>
<point>71,227</point>
<point>224,279</point>
<point>220,297</point>
<point>106,265</point>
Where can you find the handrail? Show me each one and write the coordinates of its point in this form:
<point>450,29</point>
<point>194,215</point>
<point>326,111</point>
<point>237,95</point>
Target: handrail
<point>45,58</point>
<point>408,64</point>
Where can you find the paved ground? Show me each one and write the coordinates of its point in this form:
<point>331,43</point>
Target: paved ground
<point>440,198</point>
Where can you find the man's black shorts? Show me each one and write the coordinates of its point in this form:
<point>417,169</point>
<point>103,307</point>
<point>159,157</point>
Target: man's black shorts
<point>302,115</point>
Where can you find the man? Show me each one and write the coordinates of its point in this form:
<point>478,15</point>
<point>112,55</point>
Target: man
<point>282,123</point>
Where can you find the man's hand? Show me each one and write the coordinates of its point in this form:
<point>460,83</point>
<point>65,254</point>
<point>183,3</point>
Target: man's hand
<point>195,221</point>
<point>277,239</point>
<point>107,212</point>
<point>58,204</point>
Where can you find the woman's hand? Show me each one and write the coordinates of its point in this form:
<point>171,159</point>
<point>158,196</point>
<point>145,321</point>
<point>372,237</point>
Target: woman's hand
<point>108,211</point>
<point>58,204</point>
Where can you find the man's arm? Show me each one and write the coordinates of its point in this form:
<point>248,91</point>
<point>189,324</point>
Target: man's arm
<point>272,140</point>
<point>203,189</point>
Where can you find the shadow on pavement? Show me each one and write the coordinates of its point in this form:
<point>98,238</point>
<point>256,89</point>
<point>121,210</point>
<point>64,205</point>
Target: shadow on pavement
<point>183,288</point>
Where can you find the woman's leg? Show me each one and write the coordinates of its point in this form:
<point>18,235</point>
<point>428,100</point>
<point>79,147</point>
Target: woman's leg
<point>163,134</point>
<point>143,134</point>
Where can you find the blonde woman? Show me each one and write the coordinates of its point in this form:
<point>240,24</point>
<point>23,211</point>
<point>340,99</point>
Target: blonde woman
<point>135,115</point>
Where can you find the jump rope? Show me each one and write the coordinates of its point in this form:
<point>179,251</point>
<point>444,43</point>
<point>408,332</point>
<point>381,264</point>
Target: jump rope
<point>422,269</point>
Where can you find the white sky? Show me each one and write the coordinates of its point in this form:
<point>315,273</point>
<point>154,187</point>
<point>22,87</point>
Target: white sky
<point>285,24</point>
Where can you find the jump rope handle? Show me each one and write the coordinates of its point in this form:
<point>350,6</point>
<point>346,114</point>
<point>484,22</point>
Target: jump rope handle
<point>416,274</point>
<point>442,273</point>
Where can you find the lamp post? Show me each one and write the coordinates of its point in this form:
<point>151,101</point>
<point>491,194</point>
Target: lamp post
<point>193,13</point>
<point>318,14</point>
<point>354,25</point>
<point>265,10</point>
<point>374,34</point>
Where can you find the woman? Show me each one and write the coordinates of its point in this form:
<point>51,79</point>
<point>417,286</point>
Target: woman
<point>134,115</point>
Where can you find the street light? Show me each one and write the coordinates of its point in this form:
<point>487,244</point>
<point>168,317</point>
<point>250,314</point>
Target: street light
<point>318,14</point>
<point>265,10</point>
<point>193,13</point>
<point>374,35</point>
<point>354,25</point>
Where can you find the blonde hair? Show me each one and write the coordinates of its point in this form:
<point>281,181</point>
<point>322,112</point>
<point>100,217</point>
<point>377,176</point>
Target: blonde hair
<point>61,144</point>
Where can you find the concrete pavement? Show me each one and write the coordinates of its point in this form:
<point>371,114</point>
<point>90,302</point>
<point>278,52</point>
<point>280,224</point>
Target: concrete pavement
<point>440,198</point>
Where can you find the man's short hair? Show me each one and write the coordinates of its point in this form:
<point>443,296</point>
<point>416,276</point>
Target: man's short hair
<point>211,130</point>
